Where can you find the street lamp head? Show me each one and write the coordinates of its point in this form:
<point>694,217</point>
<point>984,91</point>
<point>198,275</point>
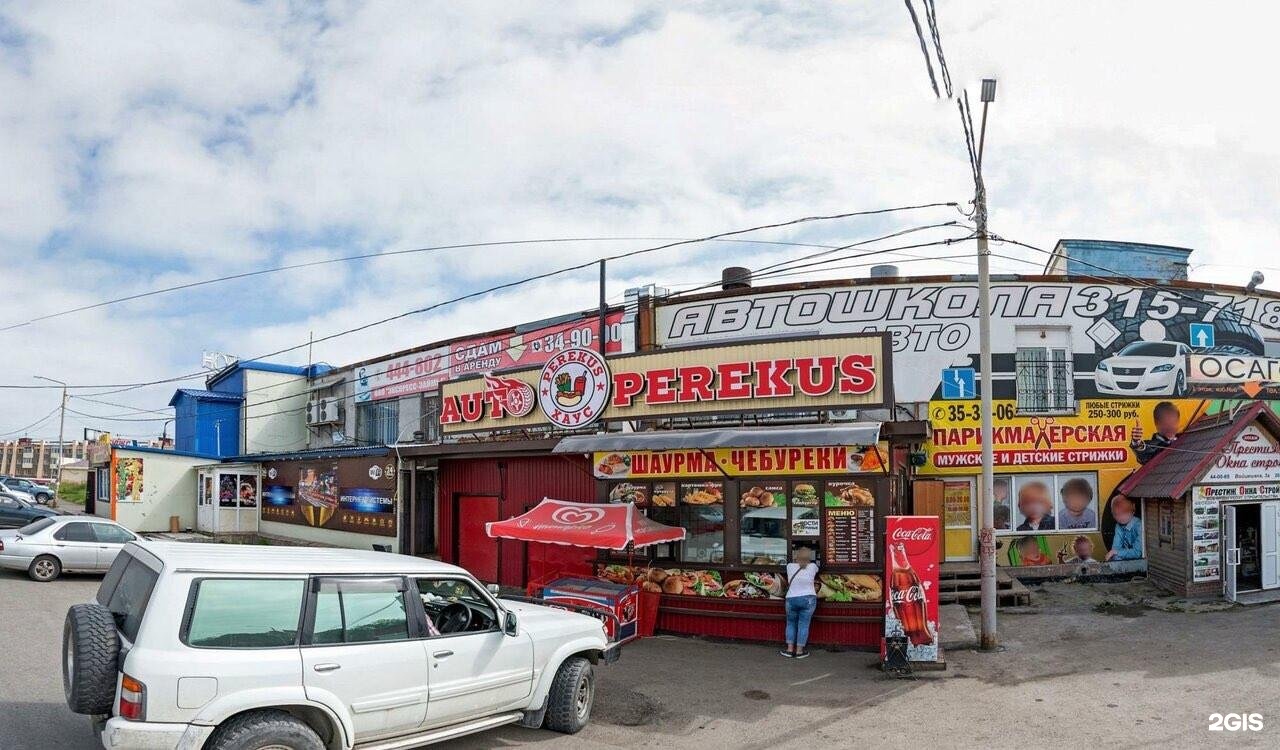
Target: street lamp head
<point>988,90</point>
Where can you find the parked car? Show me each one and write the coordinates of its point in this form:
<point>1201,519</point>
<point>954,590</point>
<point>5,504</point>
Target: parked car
<point>40,493</point>
<point>20,494</point>
<point>199,645</point>
<point>1146,368</point>
<point>47,547</point>
<point>17,511</point>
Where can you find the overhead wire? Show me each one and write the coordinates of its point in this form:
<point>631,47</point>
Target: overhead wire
<point>924,48</point>
<point>931,14</point>
<point>122,387</point>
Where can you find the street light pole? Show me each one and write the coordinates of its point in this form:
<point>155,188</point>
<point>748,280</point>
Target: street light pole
<point>987,534</point>
<point>62,423</point>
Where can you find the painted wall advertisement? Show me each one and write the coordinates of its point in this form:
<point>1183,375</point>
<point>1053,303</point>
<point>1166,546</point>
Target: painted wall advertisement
<point>1117,341</point>
<point>348,494</point>
<point>127,487</point>
<point>424,372</point>
<point>577,387</point>
<point>1056,476</point>
<point>911,594</point>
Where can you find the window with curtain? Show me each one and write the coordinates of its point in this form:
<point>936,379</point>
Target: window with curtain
<point>378,422</point>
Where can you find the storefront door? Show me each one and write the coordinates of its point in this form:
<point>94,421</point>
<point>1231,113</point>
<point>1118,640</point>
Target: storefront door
<point>959,519</point>
<point>477,551</point>
<point>1232,556</point>
<point>1271,544</point>
<point>206,503</point>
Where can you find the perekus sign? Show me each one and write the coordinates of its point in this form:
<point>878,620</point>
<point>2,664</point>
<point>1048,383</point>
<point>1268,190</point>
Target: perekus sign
<point>578,387</point>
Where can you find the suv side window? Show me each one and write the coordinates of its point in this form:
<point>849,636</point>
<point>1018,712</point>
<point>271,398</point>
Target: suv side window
<point>75,532</point>
<point>455,606</point>
<point>359,610</point>
<point>244,613</point>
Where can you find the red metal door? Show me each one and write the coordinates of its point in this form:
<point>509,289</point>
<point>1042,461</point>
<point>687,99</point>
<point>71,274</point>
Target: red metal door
<point>477,551</point>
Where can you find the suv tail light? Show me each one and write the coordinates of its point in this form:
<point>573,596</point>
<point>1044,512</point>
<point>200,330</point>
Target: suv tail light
<point>133,699</point>
<point>1,545</point>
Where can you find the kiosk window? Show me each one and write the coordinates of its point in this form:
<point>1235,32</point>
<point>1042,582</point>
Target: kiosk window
<point>762,523</point>
<point>701,513</point>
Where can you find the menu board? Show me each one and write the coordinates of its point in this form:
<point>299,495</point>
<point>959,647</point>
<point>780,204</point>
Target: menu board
<point>1206,536</point>
<point>850,536</point>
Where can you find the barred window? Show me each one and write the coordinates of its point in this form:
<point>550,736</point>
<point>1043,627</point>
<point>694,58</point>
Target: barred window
<point>378,422</point>
<point>1044,380</point>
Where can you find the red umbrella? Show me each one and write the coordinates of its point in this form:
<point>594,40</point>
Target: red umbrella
<point>613,526</point>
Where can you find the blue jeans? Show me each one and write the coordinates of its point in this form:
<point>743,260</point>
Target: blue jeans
<point>799,612</point>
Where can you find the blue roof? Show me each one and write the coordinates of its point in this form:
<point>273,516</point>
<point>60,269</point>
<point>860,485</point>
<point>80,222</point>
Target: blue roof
<point>311,371</point>
<point>203,395</point>
<point>317,453</point>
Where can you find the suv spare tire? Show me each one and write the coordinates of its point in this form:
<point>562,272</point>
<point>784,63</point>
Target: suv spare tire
<point>90,659</point>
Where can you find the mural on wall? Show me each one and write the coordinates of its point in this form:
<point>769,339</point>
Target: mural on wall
<point>1056,476</point>
<point>1116,340</point>
<point>128,480</point>
<point>348,494</point>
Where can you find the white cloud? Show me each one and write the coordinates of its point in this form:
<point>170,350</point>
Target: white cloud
<point>150,143</point>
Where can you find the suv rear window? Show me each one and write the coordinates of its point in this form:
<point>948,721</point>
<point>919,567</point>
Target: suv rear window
<point>125,591</point>
<point>244,613</point>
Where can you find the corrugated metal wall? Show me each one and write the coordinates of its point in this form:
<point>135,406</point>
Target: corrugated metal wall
<point>519,483</point>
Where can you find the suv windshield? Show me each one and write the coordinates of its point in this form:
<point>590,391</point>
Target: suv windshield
<point>125,591</point>
<point>1150,349</point>
<point>35,526</point>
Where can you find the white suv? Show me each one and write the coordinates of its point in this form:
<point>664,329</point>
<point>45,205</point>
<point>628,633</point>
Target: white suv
<point>232,647</point>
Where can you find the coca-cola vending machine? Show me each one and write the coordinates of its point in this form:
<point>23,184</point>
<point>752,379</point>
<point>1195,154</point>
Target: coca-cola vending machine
<point>911,590</point>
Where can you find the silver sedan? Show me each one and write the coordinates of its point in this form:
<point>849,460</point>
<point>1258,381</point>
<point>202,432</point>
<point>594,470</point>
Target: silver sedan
<point>46,547</point>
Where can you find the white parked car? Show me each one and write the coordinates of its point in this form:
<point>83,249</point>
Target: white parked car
<point>1145,368</point>
<point>47,547</point>
<point>230,647</point>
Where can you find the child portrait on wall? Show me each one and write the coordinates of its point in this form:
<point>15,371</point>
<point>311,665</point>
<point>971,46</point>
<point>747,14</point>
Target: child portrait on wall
<point>1027,550</point>
<point>1003,513</point>
<point>1082,548</point>
<point>1035,505</point>
<point>1077,497</point>
<point>1126,537</point>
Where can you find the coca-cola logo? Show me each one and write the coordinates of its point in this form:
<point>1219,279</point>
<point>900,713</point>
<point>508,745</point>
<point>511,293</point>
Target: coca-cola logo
<point>912,594</point>
<point>917,534</point>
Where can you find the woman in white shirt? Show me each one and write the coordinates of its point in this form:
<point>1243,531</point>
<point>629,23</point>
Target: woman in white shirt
<point>801,601</point>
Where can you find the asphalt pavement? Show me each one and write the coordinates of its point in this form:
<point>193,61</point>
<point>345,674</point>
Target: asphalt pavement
<point>1087,665</point>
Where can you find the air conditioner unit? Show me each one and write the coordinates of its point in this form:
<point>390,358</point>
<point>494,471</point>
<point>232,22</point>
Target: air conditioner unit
<point>313,412</point>
<point>842,415</point>
<point>330,410</point>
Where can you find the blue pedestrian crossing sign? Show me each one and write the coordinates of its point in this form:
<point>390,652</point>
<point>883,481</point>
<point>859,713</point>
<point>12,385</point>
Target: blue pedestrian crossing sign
<point>959,382</point>
<point>1201,335</point>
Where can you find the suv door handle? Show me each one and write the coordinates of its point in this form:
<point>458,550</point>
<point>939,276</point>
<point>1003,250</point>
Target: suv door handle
<point>330,667</point>
<point>442,654</point>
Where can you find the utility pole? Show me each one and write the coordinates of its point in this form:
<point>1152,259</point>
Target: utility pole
<point>987,534</point>
<point>62,423</point>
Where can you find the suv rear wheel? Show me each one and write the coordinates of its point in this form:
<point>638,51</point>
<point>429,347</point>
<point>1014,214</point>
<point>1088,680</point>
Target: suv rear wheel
<point>572,693</point>
<point>259,730</point>
<point>90,659</point>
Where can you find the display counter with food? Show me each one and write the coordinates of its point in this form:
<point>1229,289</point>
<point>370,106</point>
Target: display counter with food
<point>727,577</point>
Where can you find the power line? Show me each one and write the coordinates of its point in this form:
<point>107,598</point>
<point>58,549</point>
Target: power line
<point>932,14</point>
<point>121,387</point>
<point>924,49</point>
<point>45,418</point>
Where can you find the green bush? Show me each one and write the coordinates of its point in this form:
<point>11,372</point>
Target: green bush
<point>72,493</point>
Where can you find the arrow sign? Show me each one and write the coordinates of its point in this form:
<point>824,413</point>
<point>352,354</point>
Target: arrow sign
<point>1202,335</point>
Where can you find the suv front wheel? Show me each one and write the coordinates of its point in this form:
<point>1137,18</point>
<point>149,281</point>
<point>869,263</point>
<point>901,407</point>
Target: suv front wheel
<point>257,730</point>
<point>572,693</point>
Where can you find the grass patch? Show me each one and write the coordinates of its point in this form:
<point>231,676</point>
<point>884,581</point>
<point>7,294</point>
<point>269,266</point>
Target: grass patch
<point>73,493</point>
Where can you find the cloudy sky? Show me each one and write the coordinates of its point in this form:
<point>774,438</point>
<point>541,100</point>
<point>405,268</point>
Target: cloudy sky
<point>151,144</point>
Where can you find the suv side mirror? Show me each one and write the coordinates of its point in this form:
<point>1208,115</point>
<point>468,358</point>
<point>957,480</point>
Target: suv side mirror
<point>510,625</point>
<point>493,588</point>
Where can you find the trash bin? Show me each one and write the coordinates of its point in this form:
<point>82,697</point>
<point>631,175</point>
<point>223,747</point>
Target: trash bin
<point>175,524</point>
